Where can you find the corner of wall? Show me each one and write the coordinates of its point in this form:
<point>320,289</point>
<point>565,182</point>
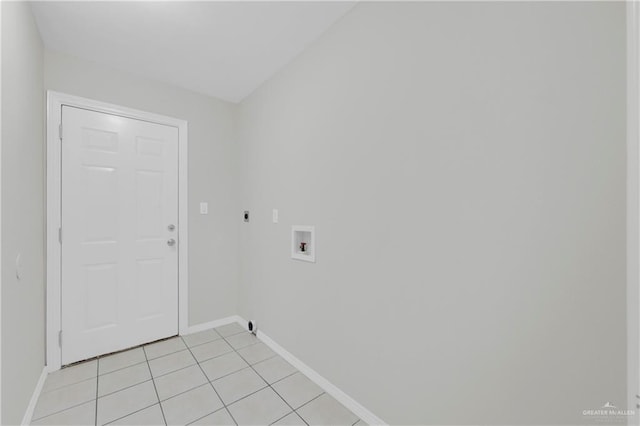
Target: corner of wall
<point>23,196</point>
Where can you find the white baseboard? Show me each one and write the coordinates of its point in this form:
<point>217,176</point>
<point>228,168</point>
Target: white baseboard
<point>213,324</point>
<point>26,420</point>
<point>360,411</point>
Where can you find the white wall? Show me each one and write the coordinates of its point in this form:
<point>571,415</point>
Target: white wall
<point>22,209</point>
<point>213,239</point>
<point>464,166</point>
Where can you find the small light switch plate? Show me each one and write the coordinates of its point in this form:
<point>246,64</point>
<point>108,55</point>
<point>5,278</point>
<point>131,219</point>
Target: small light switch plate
<point>275,215</point>
<point>204,208</point>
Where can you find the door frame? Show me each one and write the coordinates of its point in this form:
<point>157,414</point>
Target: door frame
<point>633,207</point>
<point>55,102</point>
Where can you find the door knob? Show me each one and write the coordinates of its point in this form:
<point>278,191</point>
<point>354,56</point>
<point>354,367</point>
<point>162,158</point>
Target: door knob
<point>171,242</point>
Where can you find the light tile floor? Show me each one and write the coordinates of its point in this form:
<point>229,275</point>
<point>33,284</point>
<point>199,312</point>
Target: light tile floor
<point>223,376</point>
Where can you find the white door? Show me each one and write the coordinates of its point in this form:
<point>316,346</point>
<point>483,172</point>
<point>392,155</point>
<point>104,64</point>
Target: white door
<point>119,233</point>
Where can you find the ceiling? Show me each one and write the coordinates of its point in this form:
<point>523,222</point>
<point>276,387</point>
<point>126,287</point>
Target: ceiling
<point>221,49</point>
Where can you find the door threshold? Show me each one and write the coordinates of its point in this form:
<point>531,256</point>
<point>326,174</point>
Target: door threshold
<point>116,352</point>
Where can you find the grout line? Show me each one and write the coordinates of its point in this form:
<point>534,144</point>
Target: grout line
<point>288,414</point>
<point>64,409</point>
<point>262,360</point>
<point>206,415</point>
<point>121,368</point>
<point>232,334</point>
<point>66,386</point>
<point>154,385</point>
<point>311,400</point>
<point>271,357</point>
<point>185,391</point>
<point>325,393</point>
<point>244,397</point>
<point>131,414</point>
<point>97,387</point>
<point>244,347</point>
<point>213,357</point>
<point>247,395</point>
<point>236,350</point>
<point>165,355</point>
<point>308,402</point>
<point>268,385</point>
<point>285,377</point>
<point>171,372</point>
<point>226,375</point>
<point>201,343</point>
<point>157,376</point>
<point>211,384</point>
<point>125,388</point>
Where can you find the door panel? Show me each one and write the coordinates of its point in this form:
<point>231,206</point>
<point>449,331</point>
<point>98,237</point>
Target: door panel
<point>119,194</point>
<point>101,296</point>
